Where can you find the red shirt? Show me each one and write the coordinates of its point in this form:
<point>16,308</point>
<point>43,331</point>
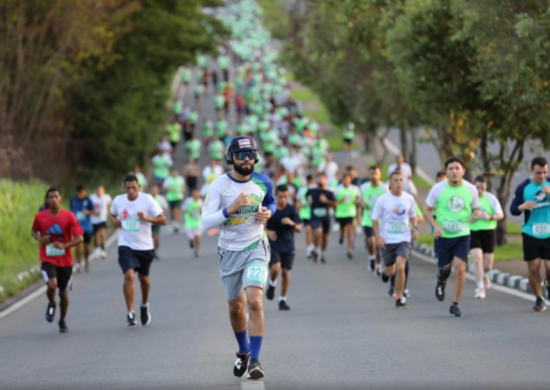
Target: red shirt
<point>62,228</point>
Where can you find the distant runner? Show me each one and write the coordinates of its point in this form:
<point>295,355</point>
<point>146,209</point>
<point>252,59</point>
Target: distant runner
<point>192,210</point>
<point>321,201</point>
<point>83,207</point>
<point>102,203</point>
<point>155,229</point>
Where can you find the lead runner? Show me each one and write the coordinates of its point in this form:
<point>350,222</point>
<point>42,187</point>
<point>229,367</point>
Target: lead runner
<point>240,203</point>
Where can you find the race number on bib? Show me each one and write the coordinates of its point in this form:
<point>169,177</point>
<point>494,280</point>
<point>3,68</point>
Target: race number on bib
<point>320,213</point>
<point>541,229</point>
<point>454,226</point>
<point>130,225</point>
<point>80,215</point>
<point>52,251</point>
<point>397,227</point>
<point>256,273</point>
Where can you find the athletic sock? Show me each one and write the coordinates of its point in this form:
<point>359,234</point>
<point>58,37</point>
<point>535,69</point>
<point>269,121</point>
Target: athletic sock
<point>272,283</point>
<point>242,339</point>
<point>281,298</point>
<point>371,257</point>
<point>455,303</point>
<point>255,346</point>
<point>480,285</point>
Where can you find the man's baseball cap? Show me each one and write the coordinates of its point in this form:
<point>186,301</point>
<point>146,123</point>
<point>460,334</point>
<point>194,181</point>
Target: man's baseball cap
<point>242,144</point>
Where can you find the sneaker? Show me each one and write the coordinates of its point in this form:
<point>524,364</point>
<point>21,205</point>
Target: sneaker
<point>131,319</point>
<point>385,278</point>
<point>50,313</point>
<point>486,282</point>
<point>454,311</point>
<point>440,291</point>
<point>323,260</point>
<point>379,270</point>
<point>406,293</point>
<point>145,316</point>
<point>401,304</point>
<point>314,256</point>
<point>270,293</point>
<point>103,254</point>
<point>197,253</point>
<point>391,292</point>
<point>191,244</point>
<point>547,287</point>
<point>341,241</point>
<point>372,265</point>
<point>350,255</point>
<point>283,305</point>
<point>255,370</point>
<point>241,364</point>
<point>539,305</point>
<point>480,293</point>
<point>63,328</point>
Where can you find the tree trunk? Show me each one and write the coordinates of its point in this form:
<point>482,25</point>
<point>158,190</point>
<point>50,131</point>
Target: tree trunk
<point>413,161</point>
<point>404,142</point>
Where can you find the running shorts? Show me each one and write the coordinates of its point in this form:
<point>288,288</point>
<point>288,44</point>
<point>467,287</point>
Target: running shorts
<point>323,222</point>
<point>389,255</point>
<point>174,204</point>
<point>242,269</point>
<point>64,275</point>
<point>192,233</point>
<point>348,141</point>
<point>139,261</point>
<point>535,248</point>
<point>87,236</point>
<point>285,258</point>
<point>306,222</point>
<point>155,229</point>
<point>369,231</point>
<point>345,222</point>
<point>99,226</point>
<point>448,248</point>
<point>484,240</point>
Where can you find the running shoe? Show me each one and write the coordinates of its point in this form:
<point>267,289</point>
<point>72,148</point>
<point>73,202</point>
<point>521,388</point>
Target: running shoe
<point>406,293</point>
<point>341,241</point>
<point>50,313</point>
<point>480,293</point>
<point>131,319</point>
<point>63,328</point>
<point>539,305</point>
<point>454,311</point>
<point>197,253</point>
<point>385,278</point>
<point>255,370</point>
<point>486,282</point>
<point>241,364</point>
<point>350,256</point>
<point>103,254</point>
<point>391,292</point>
<point>191,244</point>
<point>401,304</point>
<point>323,260</point>
<point>314,256</point>
<point>145,316</point>
<point>283,305</point>
<point>379,270</point>
<point>372,265</point>
<point>547,286</point>
<point>270,293</point>
<point>440,291</point>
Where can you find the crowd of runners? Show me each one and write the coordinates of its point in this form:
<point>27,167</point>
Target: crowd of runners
<point>255,171</point>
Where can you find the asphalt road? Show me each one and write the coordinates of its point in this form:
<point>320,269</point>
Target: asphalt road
<point>342,332</point>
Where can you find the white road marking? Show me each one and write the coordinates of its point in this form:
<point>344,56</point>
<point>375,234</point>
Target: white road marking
<point>42,290</point>
<point>419,171</point>
<point>252,385</point>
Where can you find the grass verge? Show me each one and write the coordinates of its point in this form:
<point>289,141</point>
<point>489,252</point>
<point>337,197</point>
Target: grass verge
<point>420,183</point>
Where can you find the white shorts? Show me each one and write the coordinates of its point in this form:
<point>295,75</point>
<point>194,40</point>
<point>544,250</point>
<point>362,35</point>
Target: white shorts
<point>192,233</point>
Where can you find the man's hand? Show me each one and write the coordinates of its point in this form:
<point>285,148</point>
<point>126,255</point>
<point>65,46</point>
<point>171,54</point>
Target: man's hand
<point>143,217</point>
<point>380,243</point>
<point>44,239</point>
<point>438,231</point>
<point>272,235</point>
<point>477,214</point>
<point>242,200</point>
<point>323,198</point>
<point>117,222</point>
<point>546,189</point>
<point>263,215</point>
<point>59,245</point>
<point>529,205</point>
<point>414,233</point>
<point>287,221</point>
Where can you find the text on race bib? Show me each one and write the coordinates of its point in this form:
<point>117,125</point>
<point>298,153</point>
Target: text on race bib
<point>320,213</point>
<point>256,273</point>
<point>541,229</point>
<point>454,226</point>
<point>80,215</point>
<point>130,225</point>
<point>397,227</point>
<point>250,209</point>
<point>52,251</point>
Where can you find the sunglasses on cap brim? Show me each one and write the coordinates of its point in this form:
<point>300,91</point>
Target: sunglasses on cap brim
<point>251,154</point>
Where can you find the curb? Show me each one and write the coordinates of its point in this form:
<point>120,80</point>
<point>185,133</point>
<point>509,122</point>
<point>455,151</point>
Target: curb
<point>34,293</point>
<point>505,279</point>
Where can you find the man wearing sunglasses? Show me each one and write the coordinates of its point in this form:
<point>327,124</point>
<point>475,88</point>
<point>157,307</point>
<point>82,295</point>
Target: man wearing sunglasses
<point>240,203</point>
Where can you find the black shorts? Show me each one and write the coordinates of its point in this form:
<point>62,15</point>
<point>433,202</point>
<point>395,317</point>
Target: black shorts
<point>392,251</point>
<point>306,222</point>
<point>348,141</point>
<point>484,240</point>
<point>87,236</point>
<point>99,226</point>
<point>155,229</point>
<point>191,182</point>
<point>369,231</point>
<point>64,275</point>
<point>175,204</point>
<point>286,259</point>
<point>345,222</point>
<point>139,261</point>
<point>448,248</point>
<point>324,223</point>
<point>535,248</point>
<point>174,144</point>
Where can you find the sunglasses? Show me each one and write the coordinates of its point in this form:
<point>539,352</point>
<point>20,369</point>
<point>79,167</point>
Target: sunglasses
<point>251,154</point>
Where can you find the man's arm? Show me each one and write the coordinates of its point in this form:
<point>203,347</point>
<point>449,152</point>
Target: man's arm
<point>517,203</point>
<point>212,215</point>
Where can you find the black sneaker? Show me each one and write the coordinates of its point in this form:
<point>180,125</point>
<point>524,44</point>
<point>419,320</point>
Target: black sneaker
<point>191,244</point>
<point>341,241</point>
<point>385,278</point>
<point>241,365</point>
<point>440,291</point>
<point>283,305</point>
<point>350,256</point>
<point>270,293</point>
<point>539,305</point>
<point>391,292</point>
<point>372,265</point>
<point>145,316</point>
<point>50,313</point>
<point>315,256</point>
<point>323,260</point>
<point>378,272</point>
<point>131,319</point>
<point>547,286</point>
<point>401,304</point>
<point>454,311</point>
<point>63,328</point>
<point>255,370</point>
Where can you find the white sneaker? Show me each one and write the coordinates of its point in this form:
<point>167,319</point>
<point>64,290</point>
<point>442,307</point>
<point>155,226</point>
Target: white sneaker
<point>103,254</point>
<point>486,282</point>
<point>406,293</point>
<point>480,293</point>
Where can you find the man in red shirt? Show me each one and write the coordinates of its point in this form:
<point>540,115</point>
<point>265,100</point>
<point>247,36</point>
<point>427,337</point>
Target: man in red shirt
<point>55,228</point>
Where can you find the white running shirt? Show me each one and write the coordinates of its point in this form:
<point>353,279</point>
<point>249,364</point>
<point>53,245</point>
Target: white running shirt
<point>134,233</point>
<point>101,205</point>
<point>393,213</point>
<point>240,230</point>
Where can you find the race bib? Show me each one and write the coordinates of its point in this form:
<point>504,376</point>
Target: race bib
<point>130,225</point>
<point>454,226</point>
<point>397,227</point>
<point>320,213</point>
<point>250,209</point>
<point>256,273</point>
<point>80,215</point>
<point>52,251</point>
<point>541,229</point>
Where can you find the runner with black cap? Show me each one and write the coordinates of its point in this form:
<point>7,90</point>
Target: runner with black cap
<point>240,203</point>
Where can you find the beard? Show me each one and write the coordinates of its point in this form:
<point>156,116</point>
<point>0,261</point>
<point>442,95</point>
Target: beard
<point>244,171</point>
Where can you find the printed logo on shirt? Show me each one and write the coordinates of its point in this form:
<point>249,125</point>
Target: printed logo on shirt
<point>398,211</point>
<point>125,214</point>
<point>542,199</point>
<point>55,229</point>
<point>456,204</point>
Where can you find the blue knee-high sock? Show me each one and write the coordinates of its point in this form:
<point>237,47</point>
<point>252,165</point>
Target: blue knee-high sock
<point>242,339</point>
<point>255,346</point>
